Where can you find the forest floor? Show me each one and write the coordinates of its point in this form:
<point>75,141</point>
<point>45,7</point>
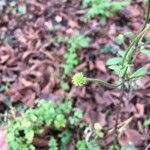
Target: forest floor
<point>31,63</point>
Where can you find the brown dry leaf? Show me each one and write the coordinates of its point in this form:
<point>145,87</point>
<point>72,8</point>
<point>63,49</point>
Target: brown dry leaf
<point>8,75</point>
<point>100,65</point>
<point>73,24</point>
<point>112,30</point>
<point>2,97</point>
<point>108,139</point>
<point>139,110</point>
<point>25,82</point>
<point>91,65</point>
<point>131,137</point>
<point>132,11</point>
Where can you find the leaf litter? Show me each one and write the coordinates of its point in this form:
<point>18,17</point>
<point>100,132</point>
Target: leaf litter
<point>30,61</point>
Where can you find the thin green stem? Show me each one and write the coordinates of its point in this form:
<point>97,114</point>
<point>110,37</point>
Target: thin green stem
<point>129,53</point>
<point>103,83</point>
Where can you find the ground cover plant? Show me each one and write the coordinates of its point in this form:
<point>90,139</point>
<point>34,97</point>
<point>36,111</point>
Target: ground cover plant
<point>22,130</point>
<point>105,43</point>
<point>71,58</point>
<point>122,67</point>
<point>104,8</point>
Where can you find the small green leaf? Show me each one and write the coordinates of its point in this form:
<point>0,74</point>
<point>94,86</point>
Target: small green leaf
<point>65,139</point>
<point>147,122</point>
<point>146,52</point>
<point>22,9</point>
<point>138,73</point>
<point>119,39</point>
<point>114,61</point>
<point>60,121</point>
<point>85,3</point>
<point>53,144</point>
<point>131,147</point>
<point>121,53</point>
<point>108,48</point>
<point>81,145</point>
<point>12,4</point>
<point>93,145</point>
<point>116,69</point>
<point>64,85</point>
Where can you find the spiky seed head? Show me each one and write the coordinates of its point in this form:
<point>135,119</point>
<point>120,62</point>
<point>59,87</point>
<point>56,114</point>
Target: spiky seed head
<point>79,79</point>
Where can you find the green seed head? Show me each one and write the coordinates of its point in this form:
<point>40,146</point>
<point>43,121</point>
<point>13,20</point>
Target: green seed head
<point>79,79</point>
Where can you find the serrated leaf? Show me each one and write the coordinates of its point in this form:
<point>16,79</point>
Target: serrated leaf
<point>138,73</point>
<point>146,52</point>
<point>114,61</point>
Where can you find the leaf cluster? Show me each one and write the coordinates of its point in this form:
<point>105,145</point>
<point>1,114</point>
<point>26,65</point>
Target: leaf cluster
<point>21,130</point>
<point>71,58</point>
<point>122,65</point>
<point>15,7</point>
<point>87,145</point>
<point>105,8</point>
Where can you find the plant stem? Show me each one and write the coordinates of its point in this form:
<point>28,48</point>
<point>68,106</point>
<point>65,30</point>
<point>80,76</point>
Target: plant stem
<point>128,56</point>
<point>103,83</point>
<point>131,49</point>
<point>119,109</point>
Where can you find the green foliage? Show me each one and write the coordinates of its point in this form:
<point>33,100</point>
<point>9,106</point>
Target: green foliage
<point>65,139</point>
<point>131,147</point>
<point>71,58</point>
<point>77,115</point>
<point>114,147</point>
<point>64,85</point>
<point>53,145</point>
<point>146,52</point>
<point>119,39</point>
<point>97,131</point>
<point>107,48</point>
<point>22,9</point>
<point>105,8</point>
<point>114,61</point>
<point>21,130</point>
<point>81,145</point>
<point>138,73</point>
<point>122,64</point>
<point>5,86</point>
<point>15,7</point>
<point>87,145</point>
<point>93,145</point>
<point>147,122</point>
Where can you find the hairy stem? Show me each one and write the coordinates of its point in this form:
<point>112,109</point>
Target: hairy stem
<point>103,83</point>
